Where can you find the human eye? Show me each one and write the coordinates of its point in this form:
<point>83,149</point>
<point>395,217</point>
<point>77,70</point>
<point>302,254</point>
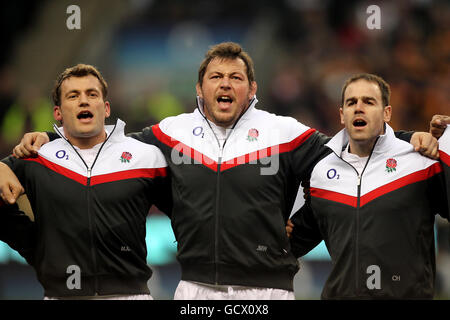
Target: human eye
<point>370,102</point>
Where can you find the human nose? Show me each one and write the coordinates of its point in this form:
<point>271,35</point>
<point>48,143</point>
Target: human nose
<point>225,83</point>
<point>83,99</point>
<point>359,106</point>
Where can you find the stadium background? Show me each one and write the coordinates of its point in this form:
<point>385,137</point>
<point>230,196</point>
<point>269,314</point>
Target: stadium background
<point>149,52</point>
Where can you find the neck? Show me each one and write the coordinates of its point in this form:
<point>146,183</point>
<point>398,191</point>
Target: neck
<point>223,124</point>
<point>219,125</point>
<point>361,148</point>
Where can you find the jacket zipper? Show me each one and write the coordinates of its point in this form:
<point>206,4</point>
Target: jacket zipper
<point>91,223</point>
<point>216,217</point>
<point>358,199</point>
<point>88,184</point>
<point>216,225</point>
<point>358,204</point>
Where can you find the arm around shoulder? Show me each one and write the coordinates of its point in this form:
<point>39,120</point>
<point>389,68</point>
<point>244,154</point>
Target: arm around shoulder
<point>10,186</point>
<point>18,231</point>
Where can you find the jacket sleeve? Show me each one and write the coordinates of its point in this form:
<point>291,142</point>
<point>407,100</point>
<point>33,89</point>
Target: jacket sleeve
<point>17,166</point>
<point>146,136</point>
<point>438,194</point>
<point>163,195</point>
<point>18,231</point>
<point>163,199</point>
<point>444,155</point>
<point>404,135</point>
<point>306,233</point>
<point>306,155</point>
<point>16,228</point>
<point>52,135</point>
<point>10,161</point>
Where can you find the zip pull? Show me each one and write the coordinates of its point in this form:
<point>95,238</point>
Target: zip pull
<point>359,180</point>
<point>89,173</point>
<point>220,154</point>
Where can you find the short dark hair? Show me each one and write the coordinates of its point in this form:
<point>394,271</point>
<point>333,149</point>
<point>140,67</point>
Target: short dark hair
<point>383,85</point>
<point>227,50</point>
<point>80,70</point>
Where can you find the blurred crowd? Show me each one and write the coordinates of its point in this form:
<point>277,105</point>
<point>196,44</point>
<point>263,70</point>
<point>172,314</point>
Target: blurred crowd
<point>411,51</point>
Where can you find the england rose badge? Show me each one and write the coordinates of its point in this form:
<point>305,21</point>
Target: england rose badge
<point>252,134</point>
<point>391,164</point>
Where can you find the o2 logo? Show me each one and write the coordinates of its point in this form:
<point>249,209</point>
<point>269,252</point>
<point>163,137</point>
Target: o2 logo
<point>198,131</point>
<point>61,154</point>
<point>332,173</point>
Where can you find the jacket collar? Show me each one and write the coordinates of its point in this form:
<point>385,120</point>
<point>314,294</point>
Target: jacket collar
<point>245,115</point>
<point>114,133</point>
<point>382,145</point>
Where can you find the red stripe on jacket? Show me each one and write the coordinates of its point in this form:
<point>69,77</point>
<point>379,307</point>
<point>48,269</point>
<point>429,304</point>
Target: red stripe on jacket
<point>104,178</point>
<point>445,158</point>
<point>380,191</point>
<point>246,158</point>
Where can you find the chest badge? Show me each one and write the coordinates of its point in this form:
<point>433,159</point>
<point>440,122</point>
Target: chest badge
<point>252,135</point>
<point>126,157</point>
<point>391,164</point>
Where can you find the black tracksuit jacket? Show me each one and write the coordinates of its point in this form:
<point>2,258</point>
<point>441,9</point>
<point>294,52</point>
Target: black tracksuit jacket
<point>92,218</point>
<point>378,226</point>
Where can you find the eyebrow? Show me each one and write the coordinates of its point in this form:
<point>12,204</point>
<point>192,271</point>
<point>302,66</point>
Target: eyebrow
<point>77,91</point>
<point>364,98</point>
<point>231,73</point>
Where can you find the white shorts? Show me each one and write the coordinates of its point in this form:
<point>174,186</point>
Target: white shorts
<point>188,290</point>
<point>107,297</point>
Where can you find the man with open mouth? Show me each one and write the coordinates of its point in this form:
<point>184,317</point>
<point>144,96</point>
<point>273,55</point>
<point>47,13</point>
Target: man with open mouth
<point>90,190</point>
<point>373,199</point>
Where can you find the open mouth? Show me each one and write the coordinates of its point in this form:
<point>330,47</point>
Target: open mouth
<point>359,123</point>
<point>85,115</point>
<point>225,99</point>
